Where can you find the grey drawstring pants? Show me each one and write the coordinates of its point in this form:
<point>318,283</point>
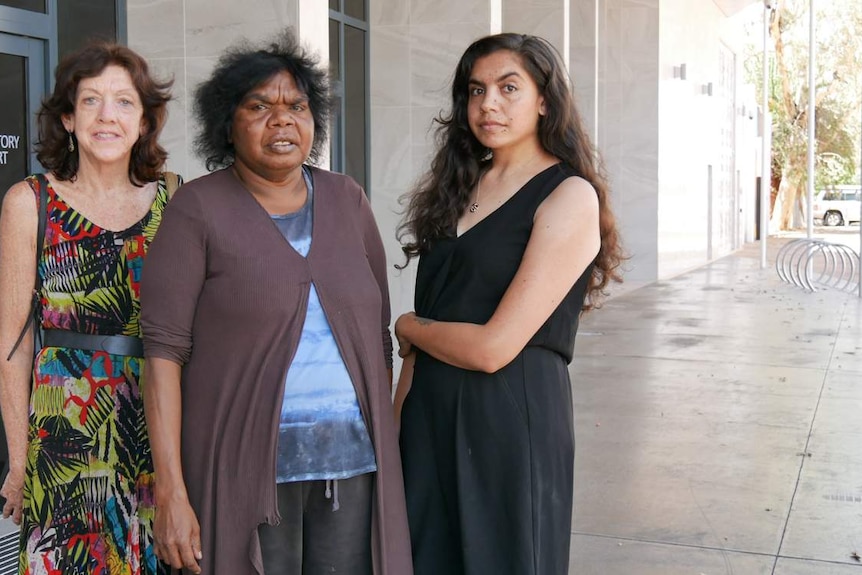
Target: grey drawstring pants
<point>325,528</point>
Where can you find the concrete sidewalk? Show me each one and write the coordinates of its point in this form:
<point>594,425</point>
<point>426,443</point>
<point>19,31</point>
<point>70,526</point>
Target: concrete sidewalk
<point>719,428</point>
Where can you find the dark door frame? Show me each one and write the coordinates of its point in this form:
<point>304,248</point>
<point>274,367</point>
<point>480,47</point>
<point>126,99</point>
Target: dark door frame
<point>40,32</point>
<point>33,50</point>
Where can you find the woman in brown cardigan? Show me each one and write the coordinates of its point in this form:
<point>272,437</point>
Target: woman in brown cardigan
<point>266,332</point>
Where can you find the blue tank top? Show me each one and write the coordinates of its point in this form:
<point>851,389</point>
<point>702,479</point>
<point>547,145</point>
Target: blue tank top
<point>321,434</point>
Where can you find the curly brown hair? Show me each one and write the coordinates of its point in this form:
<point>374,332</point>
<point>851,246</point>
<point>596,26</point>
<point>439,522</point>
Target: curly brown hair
<point>439,199</point>
<point>148,157</point>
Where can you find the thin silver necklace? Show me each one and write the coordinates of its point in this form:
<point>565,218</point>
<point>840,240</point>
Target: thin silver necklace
<point>475,205</point>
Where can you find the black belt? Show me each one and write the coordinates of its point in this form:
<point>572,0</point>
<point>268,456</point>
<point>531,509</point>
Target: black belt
<point>114,344</point>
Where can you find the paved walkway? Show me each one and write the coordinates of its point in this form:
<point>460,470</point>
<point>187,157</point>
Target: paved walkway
<point>719,428</point>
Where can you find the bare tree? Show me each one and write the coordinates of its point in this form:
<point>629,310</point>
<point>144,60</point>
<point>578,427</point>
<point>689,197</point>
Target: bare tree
<point>837,100</point>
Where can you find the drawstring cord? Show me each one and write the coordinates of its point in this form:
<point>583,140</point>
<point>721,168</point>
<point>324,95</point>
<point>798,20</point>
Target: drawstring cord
<point>332,493</point>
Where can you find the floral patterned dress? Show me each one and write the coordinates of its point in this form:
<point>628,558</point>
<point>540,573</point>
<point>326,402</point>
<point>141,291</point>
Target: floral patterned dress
<point>88,494</point>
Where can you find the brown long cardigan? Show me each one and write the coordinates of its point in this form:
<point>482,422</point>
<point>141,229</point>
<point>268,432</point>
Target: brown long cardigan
<point>224,295</point>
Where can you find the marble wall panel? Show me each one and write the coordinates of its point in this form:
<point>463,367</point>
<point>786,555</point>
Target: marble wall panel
<point>421,157</point>
<point>311,21</point>
<point>209,30</point>
<point>448,12</point>
<point>390,134</point>
<point>157,27</point>
<point>628,125</point>
<point>638,232</point>
<point>388,13</point>
<point>545,18</point>
<point>634,4</point>
<point>389,211</point>
<point>434,52</point>
<point>414,49</point>
<point>156,30</point>
<point>390,73</point>
<point>173,136</point>
<point>197,70</point>
<point>584,88</point>
<point>583,67</point>
<point>422,125</point>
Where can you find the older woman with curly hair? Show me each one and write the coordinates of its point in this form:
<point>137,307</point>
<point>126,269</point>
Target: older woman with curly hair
<point>81,474</point>
<point>266,321</point>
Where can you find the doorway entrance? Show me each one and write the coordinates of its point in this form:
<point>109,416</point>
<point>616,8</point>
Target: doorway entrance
<point>22,84</point>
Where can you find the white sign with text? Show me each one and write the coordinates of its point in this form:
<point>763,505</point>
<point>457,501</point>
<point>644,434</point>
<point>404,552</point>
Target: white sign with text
<point>7,142</point>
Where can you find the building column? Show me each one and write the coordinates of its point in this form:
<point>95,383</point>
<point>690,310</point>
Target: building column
<point>584,61</point>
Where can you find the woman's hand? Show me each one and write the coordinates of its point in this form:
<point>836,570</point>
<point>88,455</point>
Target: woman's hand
<point>177,535</point>
<point>177,532</point>
<point>18,224</point>
<point>405,382</point>
<point>13,491</point>
<point>405,348</point>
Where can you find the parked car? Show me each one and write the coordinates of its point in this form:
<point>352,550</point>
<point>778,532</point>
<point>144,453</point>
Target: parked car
<point>838,205</point>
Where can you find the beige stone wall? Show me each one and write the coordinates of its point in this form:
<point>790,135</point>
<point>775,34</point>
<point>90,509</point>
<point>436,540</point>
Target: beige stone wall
<point>628,124</point>
<point>545,18</point>
<point>183,39</point>
<point>414,48</point>
<point>583,63</point>
<point>617,60</point>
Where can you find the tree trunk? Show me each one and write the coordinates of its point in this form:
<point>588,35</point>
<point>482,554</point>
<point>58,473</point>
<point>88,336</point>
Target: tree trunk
<point>785,215</point>
<point>785,204</point>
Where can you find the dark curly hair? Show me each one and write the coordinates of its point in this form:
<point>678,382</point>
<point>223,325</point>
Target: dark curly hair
<point>243,68</point>
<point>148,157</point>
<point>439,198</point>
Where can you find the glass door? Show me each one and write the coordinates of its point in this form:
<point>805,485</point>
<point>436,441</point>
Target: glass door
<point>22,85</point>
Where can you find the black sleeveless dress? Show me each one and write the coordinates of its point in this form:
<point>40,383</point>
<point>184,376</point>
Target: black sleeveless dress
<point>488,458</point>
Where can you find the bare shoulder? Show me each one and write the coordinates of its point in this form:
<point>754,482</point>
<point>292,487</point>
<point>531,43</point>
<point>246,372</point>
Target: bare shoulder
<point>574,196</point>
<point>19,205</point>
<point>18,223</point>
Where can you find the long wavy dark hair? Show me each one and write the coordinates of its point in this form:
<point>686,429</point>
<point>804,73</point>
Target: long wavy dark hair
<point>440,197</point>
<point>243,68</point>
<point>148,157</point>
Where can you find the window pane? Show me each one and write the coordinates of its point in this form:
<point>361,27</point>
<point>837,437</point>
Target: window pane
<point>354,97</point>
<point>31,5</point>
<point>79,21</point>
<point>333,5</point>
<point>13,121</point>
<point>355,9</point>
<point>334,49</point>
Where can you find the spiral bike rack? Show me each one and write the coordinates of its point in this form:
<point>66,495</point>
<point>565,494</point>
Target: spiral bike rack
<point>815,265</point>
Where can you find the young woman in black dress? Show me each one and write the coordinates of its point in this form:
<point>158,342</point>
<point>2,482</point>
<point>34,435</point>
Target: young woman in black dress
<point>515,238</point>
